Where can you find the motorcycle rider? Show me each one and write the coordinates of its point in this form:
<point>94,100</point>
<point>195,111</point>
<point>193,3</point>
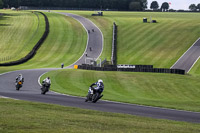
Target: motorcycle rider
<point>45,82</point>
<point>99,87</point>
<point>19,78</point>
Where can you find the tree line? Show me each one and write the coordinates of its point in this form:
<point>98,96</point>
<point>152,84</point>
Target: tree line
<point>194,7</point>
<point>123,5</point>
<point>165,6</point>
<point>133,5</point>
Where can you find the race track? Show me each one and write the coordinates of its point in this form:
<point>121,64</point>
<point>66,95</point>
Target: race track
<point>189,58</point>
<point>31,89</point>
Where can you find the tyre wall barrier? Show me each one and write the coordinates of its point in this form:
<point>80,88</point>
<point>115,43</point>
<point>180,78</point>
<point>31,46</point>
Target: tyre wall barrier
<point>140,68</point>
<point>35,48</point>
<point>114,45</point>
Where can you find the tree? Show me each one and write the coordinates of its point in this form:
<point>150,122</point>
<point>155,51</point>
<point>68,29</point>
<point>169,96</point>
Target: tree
<point>144,4</point>
<point>1,3</point>
<point>135,6</point>
<point>193,7</point>
<point>93,4</point>
<point>154,5</point>
<point>165,6</point>
<point>198,7</point>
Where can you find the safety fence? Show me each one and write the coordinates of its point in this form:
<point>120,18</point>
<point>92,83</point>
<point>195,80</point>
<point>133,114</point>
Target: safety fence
<point>138,68</point>
<point>114,45</point>
<point>35,48</point>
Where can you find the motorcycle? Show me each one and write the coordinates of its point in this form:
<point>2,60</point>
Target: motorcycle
<point>45,88</point>
<point>93,95</point>
<point>19,84</point>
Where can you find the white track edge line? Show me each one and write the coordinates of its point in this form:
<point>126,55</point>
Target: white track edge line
<point>87,33</point>
<point>40,78</point>
<point>87,36</point>
<point>185,53</point>
<point>193,64</point>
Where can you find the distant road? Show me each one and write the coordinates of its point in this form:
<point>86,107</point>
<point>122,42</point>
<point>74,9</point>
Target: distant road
<point>95,39</point>
<point>189,58</point>
<point>31,89</point>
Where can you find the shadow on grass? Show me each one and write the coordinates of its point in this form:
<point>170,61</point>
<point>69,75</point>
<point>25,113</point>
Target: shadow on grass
<point>6,16</point>
<point>5,24</point>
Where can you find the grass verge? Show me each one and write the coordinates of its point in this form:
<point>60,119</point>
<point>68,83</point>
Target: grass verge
<point>162,90</point>
<point>22,117</point>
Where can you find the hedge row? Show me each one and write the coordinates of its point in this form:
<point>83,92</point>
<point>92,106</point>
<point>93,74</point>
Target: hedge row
<point>138,68</point>
<point>35,48</point>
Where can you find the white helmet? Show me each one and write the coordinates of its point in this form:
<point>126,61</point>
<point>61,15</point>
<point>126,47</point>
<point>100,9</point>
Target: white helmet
<point>100,81</point>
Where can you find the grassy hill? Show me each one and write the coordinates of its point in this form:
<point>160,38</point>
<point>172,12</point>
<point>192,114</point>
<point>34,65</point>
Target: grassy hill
<point>160,44</point>
<point>65,44</point>
<point>20,31</point>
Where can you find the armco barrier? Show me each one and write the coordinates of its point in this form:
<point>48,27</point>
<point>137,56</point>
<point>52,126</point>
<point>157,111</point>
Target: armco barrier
<point>114,68</point>
<point>35,48</point>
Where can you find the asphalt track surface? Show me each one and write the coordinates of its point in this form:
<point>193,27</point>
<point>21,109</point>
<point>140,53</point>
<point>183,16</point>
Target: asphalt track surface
<point>31,88</point>
<point>189,58</point>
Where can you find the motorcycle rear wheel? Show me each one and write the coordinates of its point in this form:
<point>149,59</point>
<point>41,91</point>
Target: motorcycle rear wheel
<point>17,87</point>
<point>95,98</point>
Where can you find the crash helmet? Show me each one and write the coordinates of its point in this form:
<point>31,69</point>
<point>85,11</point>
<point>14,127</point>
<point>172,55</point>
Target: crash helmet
<point>100,81</point>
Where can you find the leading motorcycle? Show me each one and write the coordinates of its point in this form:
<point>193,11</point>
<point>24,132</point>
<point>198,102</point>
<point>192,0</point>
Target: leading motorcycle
<point>93,95</point>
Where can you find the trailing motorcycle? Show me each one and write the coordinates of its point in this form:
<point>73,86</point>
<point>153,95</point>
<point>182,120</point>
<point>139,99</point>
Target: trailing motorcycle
<point>19,84</point>
<point>93,95</point>
<point>45,88</point>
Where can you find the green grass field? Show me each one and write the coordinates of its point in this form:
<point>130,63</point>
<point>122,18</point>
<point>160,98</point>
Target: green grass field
<point>20,31</point>
<point>161,90</point>
<point>159,44</point>
<point>65,44</point>
<point>22,117</point>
